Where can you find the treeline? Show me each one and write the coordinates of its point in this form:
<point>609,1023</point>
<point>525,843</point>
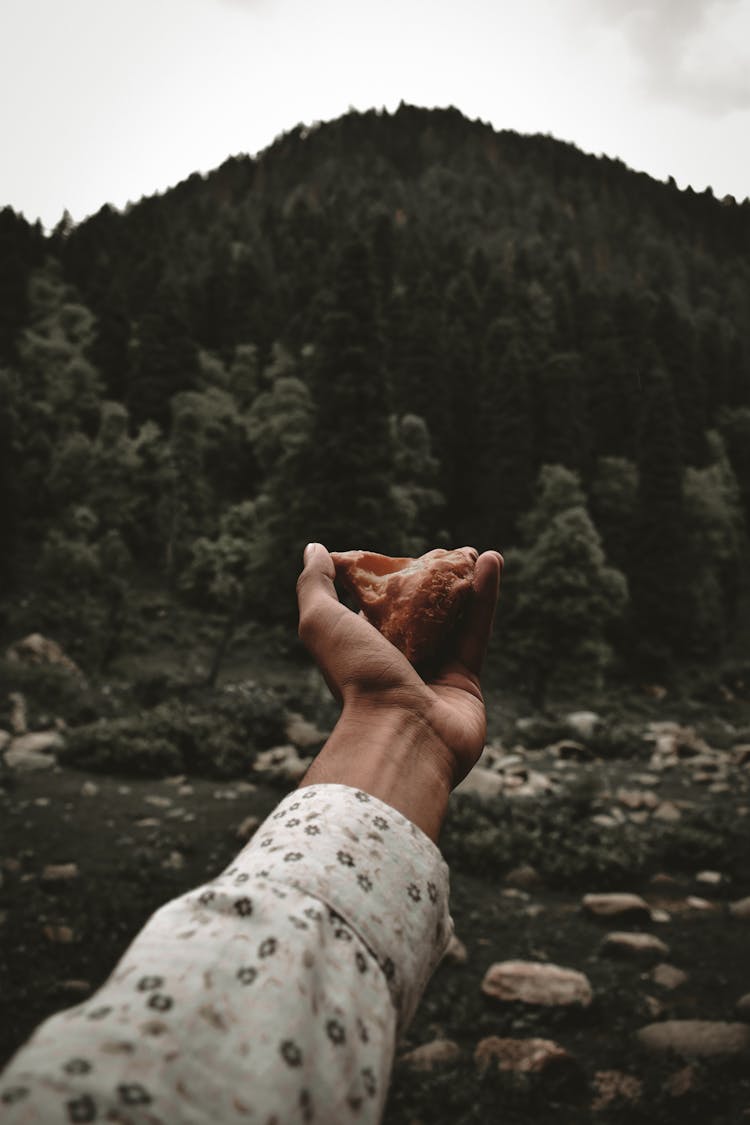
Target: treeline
<point>390,331</point>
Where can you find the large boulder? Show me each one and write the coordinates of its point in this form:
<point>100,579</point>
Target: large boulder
<point>616,905</point>
<point>583,724</point>
<point>37,650</point>
<point>523,1056</point>
<point>482,783</point>
<point>537,982</point>
<point>281,764</point>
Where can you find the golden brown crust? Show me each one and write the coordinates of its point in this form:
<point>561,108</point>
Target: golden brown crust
<point>414,603</point>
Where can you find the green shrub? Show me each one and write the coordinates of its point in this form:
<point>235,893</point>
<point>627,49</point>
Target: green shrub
<point>50,691</point>
<point>124,746</point>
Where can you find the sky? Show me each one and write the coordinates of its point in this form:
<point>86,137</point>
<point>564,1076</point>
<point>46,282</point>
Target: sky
<point>105,102</point>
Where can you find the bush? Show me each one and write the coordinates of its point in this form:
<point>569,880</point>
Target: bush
<point>124,746</point>
<point>258,714</point>
<point>50,691</point>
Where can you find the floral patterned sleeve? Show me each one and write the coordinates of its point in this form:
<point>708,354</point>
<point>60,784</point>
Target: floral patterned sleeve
<point>273,994</point>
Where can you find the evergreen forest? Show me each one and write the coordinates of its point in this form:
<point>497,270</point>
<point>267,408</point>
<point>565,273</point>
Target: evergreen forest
<point>395,332</point>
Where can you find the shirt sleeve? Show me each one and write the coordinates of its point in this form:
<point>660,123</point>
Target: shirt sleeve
<point>274,993</point>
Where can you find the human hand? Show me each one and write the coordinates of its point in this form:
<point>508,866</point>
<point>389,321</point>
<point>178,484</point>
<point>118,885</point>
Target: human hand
<point>377,684</point>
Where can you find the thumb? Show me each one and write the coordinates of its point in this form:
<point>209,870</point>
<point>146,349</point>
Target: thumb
<point>315,589</point>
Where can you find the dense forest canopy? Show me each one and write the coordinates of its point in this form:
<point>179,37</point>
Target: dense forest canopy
<point>390,331</point>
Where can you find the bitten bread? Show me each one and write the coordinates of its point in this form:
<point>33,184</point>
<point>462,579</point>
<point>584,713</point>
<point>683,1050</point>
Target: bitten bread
<point>414,603</point>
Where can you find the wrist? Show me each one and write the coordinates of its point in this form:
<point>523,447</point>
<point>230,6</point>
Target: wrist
<point>392,753</point>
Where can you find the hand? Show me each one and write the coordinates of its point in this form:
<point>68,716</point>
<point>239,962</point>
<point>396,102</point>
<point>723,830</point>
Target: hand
<point>373,679</point>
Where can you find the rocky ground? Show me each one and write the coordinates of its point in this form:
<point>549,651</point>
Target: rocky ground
<point>600,970</point>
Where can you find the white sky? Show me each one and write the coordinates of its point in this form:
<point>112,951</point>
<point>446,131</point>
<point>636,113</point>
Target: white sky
<point>106,101</point>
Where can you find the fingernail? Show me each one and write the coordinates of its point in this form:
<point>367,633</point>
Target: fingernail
<point>308,551</point>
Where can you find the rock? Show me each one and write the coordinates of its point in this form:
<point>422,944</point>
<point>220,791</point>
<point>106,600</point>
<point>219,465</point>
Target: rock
<point>661,879</point>
<point>635,945</point>
<point>18,713</point>
<point>440,1052</point>
<point>246,828</point>
<point>569,751</point>
<point>481,783</point>
<point>681,1082</point>
<point>710,878</point>
<point>743,1006</point>
<point>653,1007</point>
<point>615,905</point>
<point>282,764</point>
<point>667,976</point>
<point>74,987</point>
<point>615,1086</point>
<point>304,734</point>
<point>59,935</point>
<point>696,903</point>
<point>668,812</point>
<point>39,742</point>
<point>637,798</point>
<point>536,982</point>
<point>605,821</point>
<point>741,755</point>
<point>523,877</point>
<point>185,791</point>
<point>26,761</point>
<point>640,817</point>
<point>740,909</point>
<point>523,1056</point>
<point>226,795</point>
<point>456,951</point>
<point>583,724</point>
<point>60,873</point>
<point>157,802</point>
<point>660,916</point>
<point>175,861</point>
<point>36,649</point>
<point>89,789</point>
<point>699,1038</point>
<point>148,822</point>
<point>647,778</point>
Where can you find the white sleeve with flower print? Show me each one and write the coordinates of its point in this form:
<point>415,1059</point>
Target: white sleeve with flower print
<point>273,994</point>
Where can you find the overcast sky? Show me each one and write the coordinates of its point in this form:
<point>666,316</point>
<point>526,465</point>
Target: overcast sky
<point>105,101</point>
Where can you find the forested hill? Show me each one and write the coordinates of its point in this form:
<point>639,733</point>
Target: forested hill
<point>385,331</point>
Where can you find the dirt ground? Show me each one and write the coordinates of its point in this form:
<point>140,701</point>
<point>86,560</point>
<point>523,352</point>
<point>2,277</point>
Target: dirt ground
<point>138,843</point>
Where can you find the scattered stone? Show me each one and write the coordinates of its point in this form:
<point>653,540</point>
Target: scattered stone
<point>583,724</point>
<point>226,795</point>
<point>640,817</point>
<point>647,779</point>
<point>304,734</point>
<point>661,917</point>
<point>743,1006</point>
<point>696,903</point>
<point>681,1082</point>
<point>668,812</point>
<point>615,905</point>
<point>639,946</point>
<point>700,1038</point>
<point>615,1086</point>
<point>185,791</point>
<point>710,878</point>
<point>36,649</point>
<point>653,1007</point>
<point>60,935</point>
<point>26,761</point>
<point>605,821</point>
<point>4,740</point>
<point>523,1056</point>
<point>175,861</point>
<point>41,802</point>
<point>515,893</point>
<point>740,909</point>
<point>667,976</point>
<point>637,798</point>
<point>246,828</point>
<point>158,802</point>
<point>569,751</point>
<point>429,1056</point>
<point>524,877</point>
<point>18,713</point>
<point>536,982</point>
<point>60,872</point>
<point>661,879</point>
<point>89,789</point>
<point>456,952</point>
<point>741,755</point>
<point>178,779</point>
<point>282,764</point>
<point>482,783</point>
<point>148,822</point>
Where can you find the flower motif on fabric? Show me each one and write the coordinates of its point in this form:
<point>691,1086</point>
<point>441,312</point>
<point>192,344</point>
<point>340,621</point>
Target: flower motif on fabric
<point>132,1093</point>
<point>298,923</point>
<point>243,907</point>
<point>432,892</point>
<point>243,878</point>
<point>309,794</point>
<point>292,857</point>
<point>313,914</point>
<point>414,892</point>
<point>290,1053</point>
<point>335,1031</point>
<point>365,882</point>
<point>293,822</point>
<point>364,1034</point>
<point>306,1106</point>
<point>345,859</point>
<point>363,797</point>
<point>342,934</point>
<point>278,815</point>
<point>99,1013</point>
<point>206,897</point>
<point>381,823</point>
<point>368,1081</point>
<point>266,841</point>
<point>361,961</point>
<point>268,947</point>
<point>247,974</point>
<point>77,1066</point>
<point>294,807</point>
<point>159,1002</point>
<point>13,1095</point>
<point>312,830</point>
<point>81,1110</point>
<point>389,969</point>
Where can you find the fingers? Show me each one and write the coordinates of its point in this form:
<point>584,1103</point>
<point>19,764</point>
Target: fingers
<point>315,590</point>
<point>476,629</point>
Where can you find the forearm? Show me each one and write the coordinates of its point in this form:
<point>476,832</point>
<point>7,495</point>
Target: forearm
<point>392,754</point>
